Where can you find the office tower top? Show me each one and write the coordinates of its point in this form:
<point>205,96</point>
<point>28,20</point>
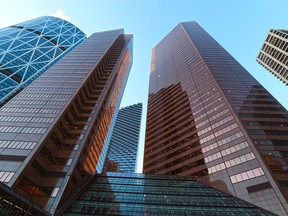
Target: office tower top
<point>28,49</point>
<point>53,133</point>
<point>208,118</point>
<point>273,54</point>
<point>123,147</point>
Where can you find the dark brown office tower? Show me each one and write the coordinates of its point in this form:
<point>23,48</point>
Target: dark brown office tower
<point>55,132</point>
<point>208,118</point>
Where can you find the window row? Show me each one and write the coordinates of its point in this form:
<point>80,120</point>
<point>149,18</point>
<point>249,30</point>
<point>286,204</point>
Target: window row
<point>227,151</point>
<point>44,95</point>
<point>219,133</point>
<point>219,123</point>
<point>30,110</point>
<point>28,130</point>
<point>55,84</point>
<point>223,121</point>
<point>231,163</point>
<point>6,176</point>
<point>265,123</point>
<point>222,142</point>
<point>277,154</point>
<point>17,144</point>
<point>235,148</point>
<point>270,142</point>
<point>230,138</point>
<point>200,117</point>
<point>269,132</point>
<point>28,102</point>
<point>37,102</point>
<point>218,114</point>
<point>212,118</point>
<point>41,89</point>
<point>215,108</point>
<point>50,78</point>
<point>261,108</point>
<point>247,175</point>
<point>26,119</point>
<point>225,130</point>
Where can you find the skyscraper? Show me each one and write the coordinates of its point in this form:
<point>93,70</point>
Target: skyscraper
<point>123,147</point>
<point>28,49</point>
<point>208,118</point>
<point>54,133</point>
<point>273,54</point>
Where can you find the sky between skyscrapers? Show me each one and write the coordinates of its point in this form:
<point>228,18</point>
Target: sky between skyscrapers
<point>239,27</point>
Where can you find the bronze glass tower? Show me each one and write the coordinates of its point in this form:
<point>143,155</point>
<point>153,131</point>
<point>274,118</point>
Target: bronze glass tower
<point>54,133</point>
<point>208,118</point>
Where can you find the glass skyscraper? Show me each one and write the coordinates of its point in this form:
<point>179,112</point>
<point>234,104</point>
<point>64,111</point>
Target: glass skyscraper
<point>208,118</point>
<point>28,49</point>
<point>53,134</point>
<point>123,147</point>
<point>139,194</point>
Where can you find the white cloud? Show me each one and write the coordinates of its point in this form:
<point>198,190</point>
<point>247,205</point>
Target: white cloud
<point>60,14</point>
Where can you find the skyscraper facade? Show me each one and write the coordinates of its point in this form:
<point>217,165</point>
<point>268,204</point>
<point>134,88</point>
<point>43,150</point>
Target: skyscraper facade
<point>54,133</point>
<point>28,49</point>
<point>273,54</point>
<point>123,147</point>
<point>208,118</point>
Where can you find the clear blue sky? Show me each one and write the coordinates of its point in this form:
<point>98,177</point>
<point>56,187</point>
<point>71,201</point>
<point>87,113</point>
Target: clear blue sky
<point>240,26</point>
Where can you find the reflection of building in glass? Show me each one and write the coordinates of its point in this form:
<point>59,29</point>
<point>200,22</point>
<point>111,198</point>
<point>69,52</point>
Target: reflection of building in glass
<point>171,136</point>
<point>223,127</point>
<point>139,194</point>
<point>124,142</point>
<point>54,133</point>
<point>13,204</point>
<point>273,54</point>
<point>110,166</point>
<point>28,49</point>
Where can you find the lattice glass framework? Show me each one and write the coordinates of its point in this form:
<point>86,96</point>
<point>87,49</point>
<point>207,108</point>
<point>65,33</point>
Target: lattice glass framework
<point>139,194</point>
<point>123,147</point>
<point>28,49</point>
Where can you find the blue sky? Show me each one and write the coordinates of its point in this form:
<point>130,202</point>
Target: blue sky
<point>240,26</point>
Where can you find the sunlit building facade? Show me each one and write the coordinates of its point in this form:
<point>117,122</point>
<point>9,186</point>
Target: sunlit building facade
<point>28,49</point>
<point>273,54</point>
<point>54,133</point>
<point>208,118</point>
<point>123,147</point>
<point>139,194</point>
